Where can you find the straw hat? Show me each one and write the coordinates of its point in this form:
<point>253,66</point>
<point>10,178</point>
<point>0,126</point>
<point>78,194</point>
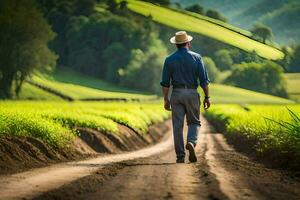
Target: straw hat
<point>181,37</point>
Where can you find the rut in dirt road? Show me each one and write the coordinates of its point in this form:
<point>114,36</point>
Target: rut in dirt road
<point>159,177</point>
<point>151,173</point>
<point>220,173</point>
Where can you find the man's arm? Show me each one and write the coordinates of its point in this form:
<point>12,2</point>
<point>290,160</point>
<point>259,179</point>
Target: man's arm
<point>165,83</point>
<point>206,101</point>
<point>204,82</point>
<point>165,91</point>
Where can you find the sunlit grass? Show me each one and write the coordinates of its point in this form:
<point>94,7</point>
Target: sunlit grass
<point>78,92</point>
<point>262,123</point>
<point>195,24</point>
<point>229,94</point>
<point>293,85</point>
<point>56,122</point>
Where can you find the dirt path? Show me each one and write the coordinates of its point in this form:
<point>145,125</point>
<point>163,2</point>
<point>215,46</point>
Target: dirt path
<point>151,173</point>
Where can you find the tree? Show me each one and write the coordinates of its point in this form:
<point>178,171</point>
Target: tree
<point>84,7</point>
<point>121,58</point>
<point>295,60</point>
<point>286,61</point>
<point>215,14</point>
<point>177,5</point>
<point>195,8</point>
<point>123,5</point>
<point>144,69</point>
<point>264,77</point>
<point>23,44</point>
<point>223,59</point>
<point>112,5</point>
<point>262,32</point>
<point>160,2</point>
<point>213,71</point>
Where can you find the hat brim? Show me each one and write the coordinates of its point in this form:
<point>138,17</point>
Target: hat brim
<point>173,41</point>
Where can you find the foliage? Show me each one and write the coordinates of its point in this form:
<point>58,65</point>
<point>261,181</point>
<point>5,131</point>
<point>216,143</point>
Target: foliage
<point>59,14</point>
<point>229,94</point>
<point>264,77</point>
<point>31,92</point>
<point>291,126</point>
<point>295,60</point>
<point>142,63</point>
<point>224,33</point>
<point>78,92</point>
<point>293,82</point>
<point>211,68</point>
<point>195,8</point>
<point>160,2</point>
<point>284,21</point>
<point>18,122</point>
<point>274,127</point>
<point>23,44</point>
<point>262,32</point>
<point>215,14</point>
<point>101,44</point>
<point>56,122</point>
<point>223,59</point>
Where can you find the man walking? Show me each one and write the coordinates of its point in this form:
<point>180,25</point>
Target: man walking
<point>184,70</point>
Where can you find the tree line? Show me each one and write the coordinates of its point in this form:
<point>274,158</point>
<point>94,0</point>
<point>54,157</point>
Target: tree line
<point>102,38</point>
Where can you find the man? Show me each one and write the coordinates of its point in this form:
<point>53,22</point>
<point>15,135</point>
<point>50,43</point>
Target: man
<point>184,70</point>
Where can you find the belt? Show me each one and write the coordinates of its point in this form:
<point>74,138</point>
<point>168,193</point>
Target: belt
<point>185,86</point>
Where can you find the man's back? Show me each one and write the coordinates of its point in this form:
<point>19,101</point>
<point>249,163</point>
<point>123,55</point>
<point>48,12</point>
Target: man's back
<point>184,67</point>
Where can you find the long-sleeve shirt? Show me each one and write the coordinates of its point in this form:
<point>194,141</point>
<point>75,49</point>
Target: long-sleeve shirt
<point>184,67</point>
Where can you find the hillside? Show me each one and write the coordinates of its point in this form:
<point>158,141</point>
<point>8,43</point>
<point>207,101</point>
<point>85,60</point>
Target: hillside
<point>79,87</point>
<point>229,94</point>
<point>229,8</point>
<point>75,86</point>
<point>281,15</point>
<point>285,23</point>
<point>293,82</point>
<point>189,23</point>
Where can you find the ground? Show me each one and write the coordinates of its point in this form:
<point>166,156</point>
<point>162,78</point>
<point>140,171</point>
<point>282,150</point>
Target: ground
<point>151,173</point>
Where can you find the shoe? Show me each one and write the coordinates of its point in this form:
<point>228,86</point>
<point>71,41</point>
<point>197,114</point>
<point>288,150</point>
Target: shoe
<point>192,154</point>
<point>180,160</point>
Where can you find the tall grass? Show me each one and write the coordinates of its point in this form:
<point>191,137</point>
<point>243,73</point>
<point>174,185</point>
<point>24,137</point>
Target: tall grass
<point>275,128</point>
<point>56,122</point>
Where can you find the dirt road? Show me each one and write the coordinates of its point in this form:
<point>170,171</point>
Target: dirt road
<point>151,173</point>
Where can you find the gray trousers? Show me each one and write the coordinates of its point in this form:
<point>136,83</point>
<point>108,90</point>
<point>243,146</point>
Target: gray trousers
<point>185,102</point>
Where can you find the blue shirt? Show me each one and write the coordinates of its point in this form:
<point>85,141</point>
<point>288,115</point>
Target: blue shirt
<point>184,67</point>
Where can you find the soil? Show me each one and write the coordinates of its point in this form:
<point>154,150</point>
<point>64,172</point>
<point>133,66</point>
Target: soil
<point>151,173</point>
<point>19,154</point>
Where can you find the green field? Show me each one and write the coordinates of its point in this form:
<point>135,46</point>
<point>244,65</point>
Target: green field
<point>56,122</point>
<point>65,75</point>
<point>229,94</point>
<point>293,85</point>
<point>79,87</point>
<point>30,92</point>
<point>200,24</point>
<point>273,127</point>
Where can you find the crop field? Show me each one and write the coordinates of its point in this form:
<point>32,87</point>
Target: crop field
<point>65,75</point>
<point>80,87</point>
<point>55,122</point>
<point>293,85</point>
<point>229,94</point>
<point>30,92</point>
<point>276,128</point>
<point>79,92</point>
<point>201,25</point>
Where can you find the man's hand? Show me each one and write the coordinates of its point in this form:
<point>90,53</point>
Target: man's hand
<point>206,103</point>
<point>167,104</point>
